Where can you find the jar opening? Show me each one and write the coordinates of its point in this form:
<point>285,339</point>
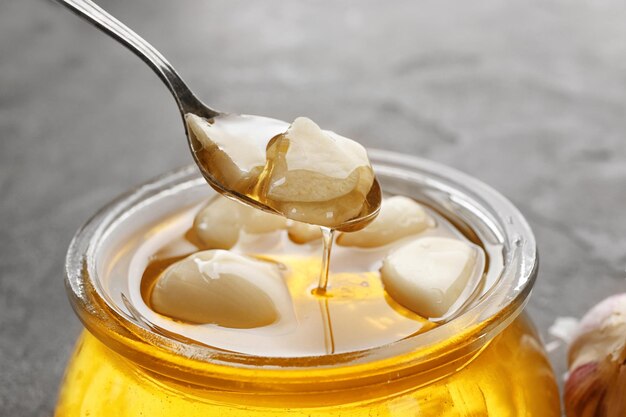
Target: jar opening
<point>481,213</point>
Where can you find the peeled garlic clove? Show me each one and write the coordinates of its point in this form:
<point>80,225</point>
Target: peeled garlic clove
<point>323,162</point>
<point>255,221</point>
<point>303,232</point>
<point>233,146</point>
<point>219,223</point>
<point>399,217</point>
<point>222,288</point>
<point>596,385</point>
<point>317,176</point>
<point>237,160</point>
<point>429,274</point>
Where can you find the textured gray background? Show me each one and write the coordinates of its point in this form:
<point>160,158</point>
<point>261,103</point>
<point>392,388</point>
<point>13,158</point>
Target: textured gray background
<point>527,95</point>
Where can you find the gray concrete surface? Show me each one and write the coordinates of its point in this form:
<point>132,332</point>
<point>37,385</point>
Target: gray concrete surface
<point>529,96</point>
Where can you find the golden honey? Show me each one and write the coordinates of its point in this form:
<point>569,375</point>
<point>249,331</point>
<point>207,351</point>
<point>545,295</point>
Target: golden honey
<point>354,312</point>
<point>509,377</point>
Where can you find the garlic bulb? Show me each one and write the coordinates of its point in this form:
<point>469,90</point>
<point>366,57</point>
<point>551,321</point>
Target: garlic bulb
<point>596,386</point>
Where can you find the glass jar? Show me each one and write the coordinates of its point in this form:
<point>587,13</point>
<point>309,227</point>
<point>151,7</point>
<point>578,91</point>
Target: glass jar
<point>488,360</point>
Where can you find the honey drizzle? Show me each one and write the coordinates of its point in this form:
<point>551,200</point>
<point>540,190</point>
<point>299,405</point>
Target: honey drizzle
<point>327,246</point>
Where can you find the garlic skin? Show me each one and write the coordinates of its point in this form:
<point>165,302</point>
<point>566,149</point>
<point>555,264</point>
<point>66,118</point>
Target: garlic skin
<point>596,386</point>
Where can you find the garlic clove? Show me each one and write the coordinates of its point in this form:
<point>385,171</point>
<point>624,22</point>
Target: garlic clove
<point>303,232</point>
<point>323,162</point>
<point>596,385</point>
<point>222,288</point>
<point>254,221</point>
<point>234,146</point>
<point>399,217</point>
<point>429,274</point>
<point>219,223</point>
<point>317,176</point>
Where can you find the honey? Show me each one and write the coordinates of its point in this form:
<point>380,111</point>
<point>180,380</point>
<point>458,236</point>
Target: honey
<point>353,313</point>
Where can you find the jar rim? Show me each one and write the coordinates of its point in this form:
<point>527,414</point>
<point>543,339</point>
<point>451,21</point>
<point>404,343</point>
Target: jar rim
<point>460,336</point>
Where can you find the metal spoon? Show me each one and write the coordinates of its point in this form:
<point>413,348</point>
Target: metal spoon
<point>188,103</point>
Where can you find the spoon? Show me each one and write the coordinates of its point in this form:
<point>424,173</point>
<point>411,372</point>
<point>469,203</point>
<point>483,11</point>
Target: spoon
<point>189,104</point>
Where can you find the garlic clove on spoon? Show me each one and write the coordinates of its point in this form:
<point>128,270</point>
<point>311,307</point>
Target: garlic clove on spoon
<point>299,171</point>
<point>316,176</point>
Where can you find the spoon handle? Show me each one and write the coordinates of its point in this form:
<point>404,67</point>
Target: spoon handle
<point>186,101</point>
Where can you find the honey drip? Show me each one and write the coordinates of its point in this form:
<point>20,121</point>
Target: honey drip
<point>327,246</point>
